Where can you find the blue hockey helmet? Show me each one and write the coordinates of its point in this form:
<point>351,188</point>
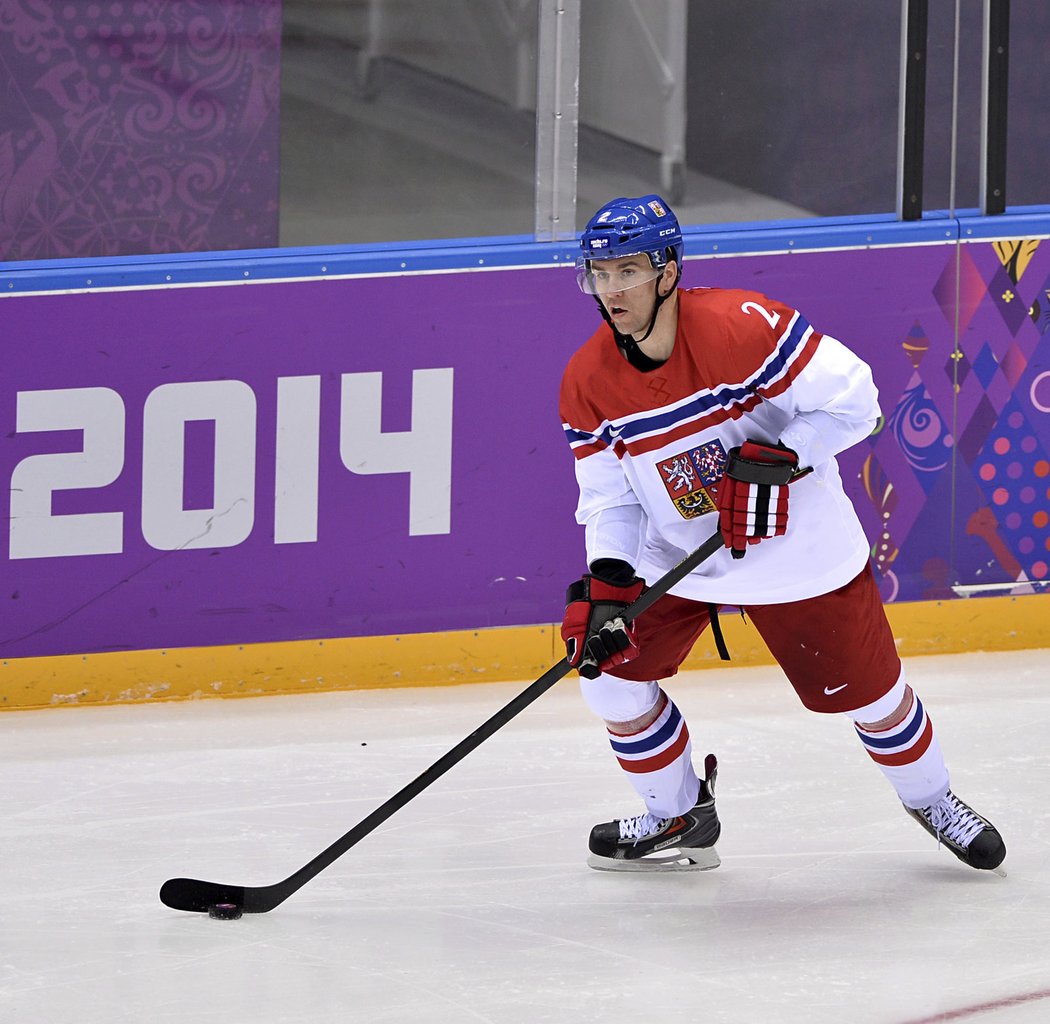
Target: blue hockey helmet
<point>627,227</point>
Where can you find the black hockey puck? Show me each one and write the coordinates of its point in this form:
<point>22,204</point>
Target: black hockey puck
<point>225,911</point>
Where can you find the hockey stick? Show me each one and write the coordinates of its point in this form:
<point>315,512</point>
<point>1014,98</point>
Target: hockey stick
<point>198,896</point>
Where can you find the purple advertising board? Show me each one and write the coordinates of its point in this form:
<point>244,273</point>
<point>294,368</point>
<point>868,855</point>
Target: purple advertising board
<point>953,486</point>
<point>173,394</point>
<point>381,455</point>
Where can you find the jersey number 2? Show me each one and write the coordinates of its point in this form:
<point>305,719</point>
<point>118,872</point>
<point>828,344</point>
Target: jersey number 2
<point>768,315</point>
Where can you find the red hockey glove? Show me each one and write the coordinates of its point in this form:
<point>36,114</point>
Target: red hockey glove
<point>595,634</point>
<point>753,494</point>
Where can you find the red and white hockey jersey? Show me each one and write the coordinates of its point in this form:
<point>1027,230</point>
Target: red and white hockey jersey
<point>651,446</point>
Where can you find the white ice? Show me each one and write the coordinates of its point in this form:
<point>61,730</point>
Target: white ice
<point>473,903</point>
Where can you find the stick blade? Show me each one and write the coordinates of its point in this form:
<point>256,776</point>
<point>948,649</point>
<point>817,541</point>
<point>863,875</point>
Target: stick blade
<point>196,896</point>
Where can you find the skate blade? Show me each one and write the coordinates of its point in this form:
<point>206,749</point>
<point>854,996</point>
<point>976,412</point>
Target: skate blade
<point>684,859</point>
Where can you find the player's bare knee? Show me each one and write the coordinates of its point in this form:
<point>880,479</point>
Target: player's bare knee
<point>895,717</point>
<point>886,712</point>
<point>636,724</point>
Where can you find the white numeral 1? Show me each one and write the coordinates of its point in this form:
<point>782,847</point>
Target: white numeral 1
<point>297,460</point>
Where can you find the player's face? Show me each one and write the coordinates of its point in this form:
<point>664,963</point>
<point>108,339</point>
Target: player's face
<point>618,284</point>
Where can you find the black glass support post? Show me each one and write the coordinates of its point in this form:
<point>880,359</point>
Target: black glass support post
<point>914,20</point>
<point>993,128</point>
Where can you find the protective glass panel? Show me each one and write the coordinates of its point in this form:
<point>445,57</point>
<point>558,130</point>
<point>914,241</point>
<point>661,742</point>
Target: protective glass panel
<point>407,119</point>
<point>228,124</point>
<point>1028,128</point>
<point>792,109</point>
<point>136,128</point>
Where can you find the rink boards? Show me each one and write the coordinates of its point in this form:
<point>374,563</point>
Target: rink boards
<point>297,470</point>
<point>461,656</point>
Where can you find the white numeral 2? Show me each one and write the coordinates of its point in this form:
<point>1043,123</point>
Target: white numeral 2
<point>768,315</point>
<point>36,531</point>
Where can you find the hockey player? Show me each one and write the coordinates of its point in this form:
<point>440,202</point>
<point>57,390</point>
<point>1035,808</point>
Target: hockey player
<point>691,410</point>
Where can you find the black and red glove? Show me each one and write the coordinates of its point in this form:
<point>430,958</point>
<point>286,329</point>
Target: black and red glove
<point>753,494</point>
<point>596,636</point>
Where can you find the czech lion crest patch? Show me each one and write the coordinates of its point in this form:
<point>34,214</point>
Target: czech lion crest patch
<point>691,476</point>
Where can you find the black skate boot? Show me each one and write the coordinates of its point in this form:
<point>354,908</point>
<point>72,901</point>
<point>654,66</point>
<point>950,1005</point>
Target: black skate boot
<point>644,843</point>
<point>973,839</point>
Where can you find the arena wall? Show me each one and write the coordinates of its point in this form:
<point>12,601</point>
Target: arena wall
<point>283,471</point>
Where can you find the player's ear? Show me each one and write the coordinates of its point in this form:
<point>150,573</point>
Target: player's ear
<point>668,276</point>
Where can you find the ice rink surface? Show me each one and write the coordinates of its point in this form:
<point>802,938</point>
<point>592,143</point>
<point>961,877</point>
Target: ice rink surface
<point>474,903</point>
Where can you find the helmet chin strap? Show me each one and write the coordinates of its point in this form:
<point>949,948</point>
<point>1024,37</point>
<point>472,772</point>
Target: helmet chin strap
<point>628,343</point>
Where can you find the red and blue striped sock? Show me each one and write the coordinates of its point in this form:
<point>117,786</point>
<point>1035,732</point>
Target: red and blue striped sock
<point>658,761</point>
<point>909,755</point>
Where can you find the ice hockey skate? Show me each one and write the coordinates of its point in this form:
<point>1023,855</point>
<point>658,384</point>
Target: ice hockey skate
<point>956,825</point>
<point>646,843</point>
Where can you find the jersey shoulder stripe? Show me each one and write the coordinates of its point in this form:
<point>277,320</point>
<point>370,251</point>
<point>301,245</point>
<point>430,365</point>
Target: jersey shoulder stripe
<point>790,357</point>
<point>724,396</point>
<point>705,405</point>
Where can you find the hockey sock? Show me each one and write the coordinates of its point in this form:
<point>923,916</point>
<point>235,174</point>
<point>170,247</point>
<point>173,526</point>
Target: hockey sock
<point>658,762</point>
<point>907,751</point>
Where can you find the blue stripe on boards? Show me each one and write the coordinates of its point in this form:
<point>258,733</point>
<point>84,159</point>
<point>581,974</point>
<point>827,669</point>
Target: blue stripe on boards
<point>647,743</point>
<point>900,739</point>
